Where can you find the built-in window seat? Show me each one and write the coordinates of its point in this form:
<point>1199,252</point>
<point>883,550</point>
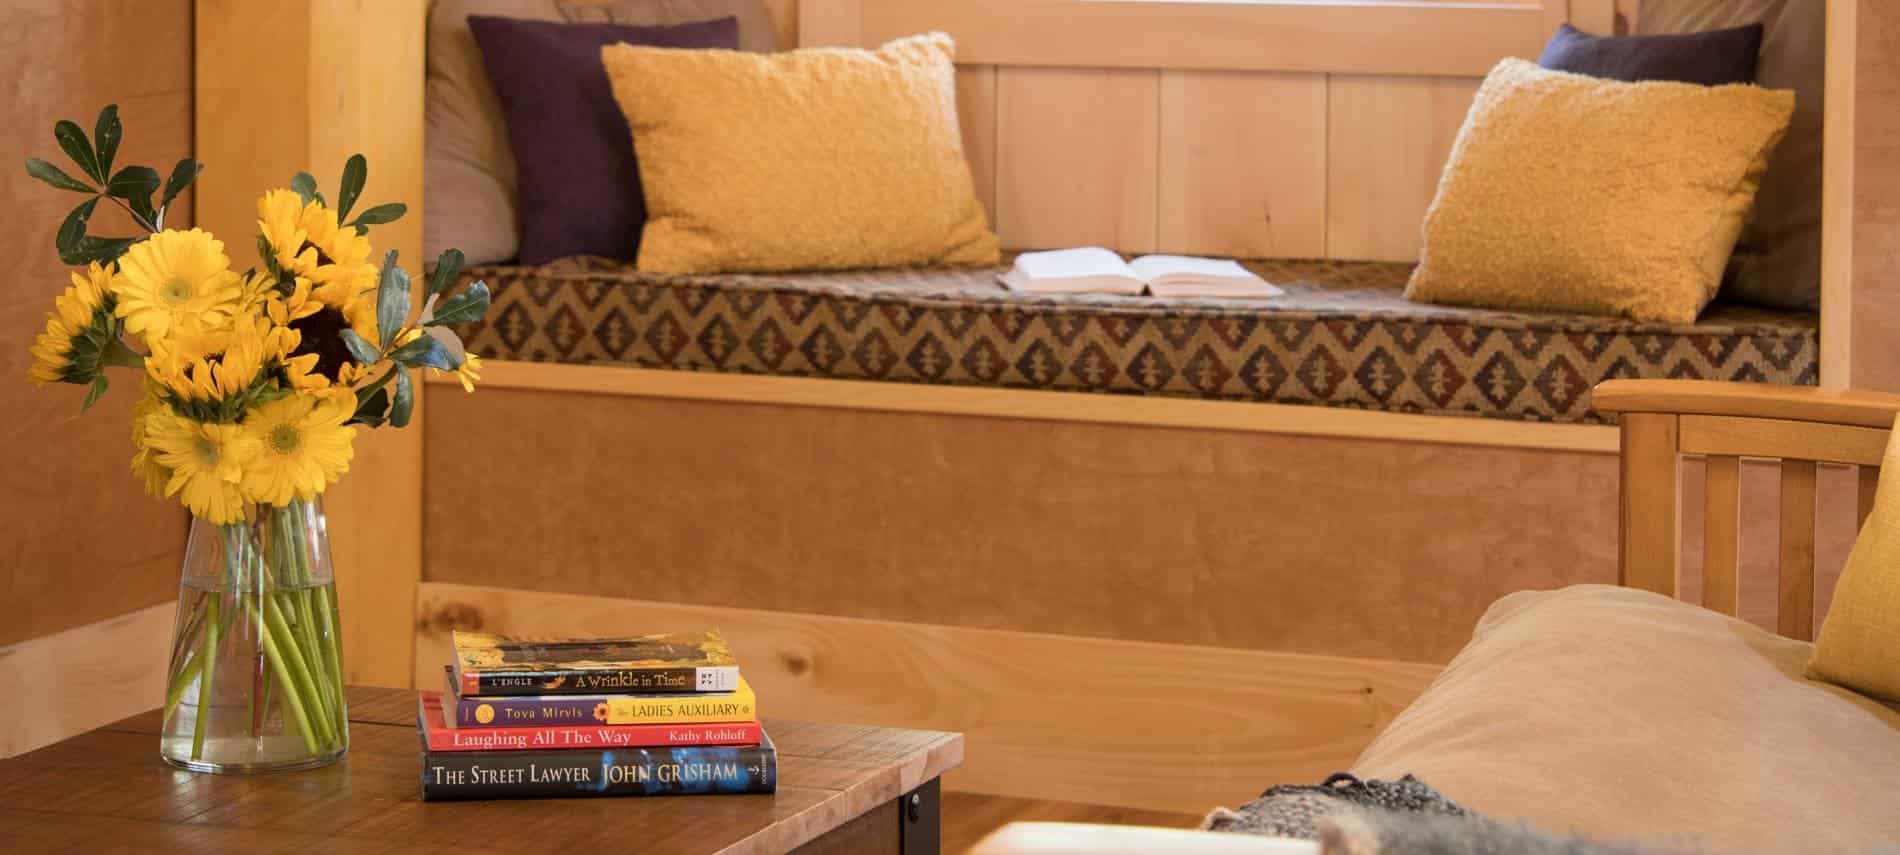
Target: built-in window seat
<point>1342,336</point>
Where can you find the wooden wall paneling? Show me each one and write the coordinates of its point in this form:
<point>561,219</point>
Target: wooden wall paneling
<point>1556,13</point>
<point>785,21</point>
<point>82,542</point>
<point>1077,157</point>
<point>1243,164</point>
<point>1388,138</point>
<point>1224,538</point>
<point>831,23</point>
<point>976,117</point>
<point>346,79</point>
<point>1597,17</point>
<point>1838,196</point>
<point>1031,731</point>
<point>1874,340</point>
<point>72,681</point>
<point>1319,36</point>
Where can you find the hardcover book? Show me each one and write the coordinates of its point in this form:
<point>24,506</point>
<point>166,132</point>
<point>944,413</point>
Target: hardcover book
<point>439,733</point>
<point>664,708</point>
<point>523,665</point>
<point>451,775</point>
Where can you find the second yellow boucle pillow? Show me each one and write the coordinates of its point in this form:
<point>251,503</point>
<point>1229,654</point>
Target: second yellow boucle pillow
<point>816,159</point>
<point>1571,193</point>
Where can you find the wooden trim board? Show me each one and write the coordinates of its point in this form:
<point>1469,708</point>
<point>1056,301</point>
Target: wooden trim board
<point>1043,405</point>
<point>73,681</point>
<point>1134,724</point>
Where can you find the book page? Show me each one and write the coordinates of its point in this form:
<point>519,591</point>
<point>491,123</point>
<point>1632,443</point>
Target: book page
<point>1071,271</point>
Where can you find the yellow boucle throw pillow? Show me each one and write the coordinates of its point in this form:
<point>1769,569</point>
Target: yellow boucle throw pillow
<point>1859,645</point>
<point>1575,194</point>
<point>816,159</point>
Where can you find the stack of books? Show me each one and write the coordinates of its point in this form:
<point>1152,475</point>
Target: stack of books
<point>643,716</point>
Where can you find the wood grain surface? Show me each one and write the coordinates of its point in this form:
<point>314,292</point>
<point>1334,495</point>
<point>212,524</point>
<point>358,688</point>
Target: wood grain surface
<point>1141,725</point>
<point>82,542</point>
<point>107,791</point>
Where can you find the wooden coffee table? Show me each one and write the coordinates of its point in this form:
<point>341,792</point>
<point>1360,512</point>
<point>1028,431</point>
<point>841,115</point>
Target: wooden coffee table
<point>842,789</point>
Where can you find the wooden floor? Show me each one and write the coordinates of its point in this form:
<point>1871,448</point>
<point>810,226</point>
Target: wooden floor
<point>969,816</point>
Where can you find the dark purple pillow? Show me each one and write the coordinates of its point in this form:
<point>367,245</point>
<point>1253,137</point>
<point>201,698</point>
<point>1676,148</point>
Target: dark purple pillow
<point>1710,58</point>
<point>577,183</point>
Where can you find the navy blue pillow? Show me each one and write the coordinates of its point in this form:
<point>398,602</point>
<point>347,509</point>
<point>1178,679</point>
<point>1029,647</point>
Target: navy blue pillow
<point>577,183</point>
<point>1710,58</point>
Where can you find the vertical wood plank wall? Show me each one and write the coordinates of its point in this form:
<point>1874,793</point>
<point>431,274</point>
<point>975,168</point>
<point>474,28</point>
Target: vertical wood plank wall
<point>1308,164</point>
<point>344,78</point>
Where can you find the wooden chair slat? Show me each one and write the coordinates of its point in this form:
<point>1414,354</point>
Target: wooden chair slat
<point>1869,481</point>
<point>1651,528</point>
<point>1721,534</point>
<point>1794,608</point>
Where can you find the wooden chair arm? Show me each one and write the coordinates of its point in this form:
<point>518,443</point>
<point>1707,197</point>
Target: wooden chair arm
<point>1073,838</point>
<point>1853,407</point>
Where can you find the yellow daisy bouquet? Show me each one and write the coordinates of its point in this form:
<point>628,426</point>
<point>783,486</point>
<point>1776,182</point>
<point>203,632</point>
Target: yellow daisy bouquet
<point>253,385</point>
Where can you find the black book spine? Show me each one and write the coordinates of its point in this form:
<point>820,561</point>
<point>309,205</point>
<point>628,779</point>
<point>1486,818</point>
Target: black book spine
<point>683,771</point>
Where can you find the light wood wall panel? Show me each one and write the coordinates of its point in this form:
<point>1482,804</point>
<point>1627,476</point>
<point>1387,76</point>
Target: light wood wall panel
<point>976,117</point>
<point>348,79</point>
<point>81,541</point>
<point>85,677</point>
<point>1243,164</point>
<point>1124,723</point>
<point>1875,335</point>
<point>1388,139</point>
<point>1077,157</point>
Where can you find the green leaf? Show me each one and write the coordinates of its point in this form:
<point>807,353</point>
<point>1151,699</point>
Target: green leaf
<point>306,186</point>
<point>392,299</point>
<point>105,135</point>
<point>470,305</point>
<point>354,174</point>
<point>93,392</point>
<point>182,175</point>
<point>425,352</point>
<point>53,175</point>
<point>74,226</point>
<point>73,140</point>
<point>133,181</point>
<point>387,212</point>
<point>91,249</point>
<point>447,266</point>
<point>142,206</point>
<point>361,350</point>
<point>404,403</point>
<point>371,409</point>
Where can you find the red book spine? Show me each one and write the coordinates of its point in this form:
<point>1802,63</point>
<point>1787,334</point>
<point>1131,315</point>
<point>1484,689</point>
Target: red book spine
<point>618,736</point>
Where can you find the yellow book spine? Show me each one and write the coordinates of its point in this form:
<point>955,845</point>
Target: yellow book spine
<point>741,705</point>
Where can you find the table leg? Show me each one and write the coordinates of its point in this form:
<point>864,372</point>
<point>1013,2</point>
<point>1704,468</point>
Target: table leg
<point>921,814</point>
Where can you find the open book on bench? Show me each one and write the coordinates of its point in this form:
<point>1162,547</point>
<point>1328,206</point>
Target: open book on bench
<point>1094,270</point>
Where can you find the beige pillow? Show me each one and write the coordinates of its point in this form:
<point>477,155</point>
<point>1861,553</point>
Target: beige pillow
<point>468,166</point>
<point>1859,645</point>
<point>1624,714</point>
<point>817,159</point>
<point>1575,194</point>
<point>1778,259</point>
<point>756,33</point>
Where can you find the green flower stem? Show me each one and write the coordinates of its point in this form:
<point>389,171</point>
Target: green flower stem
<point>292,700</point>
<point>303,691</point>
<point>117,352</point>
<point>205,699</point>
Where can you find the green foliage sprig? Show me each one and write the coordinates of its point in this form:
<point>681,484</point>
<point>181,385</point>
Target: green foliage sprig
<point>131,188</point>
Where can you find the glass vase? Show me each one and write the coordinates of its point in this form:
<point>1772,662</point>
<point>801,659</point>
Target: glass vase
<point>256,676</point>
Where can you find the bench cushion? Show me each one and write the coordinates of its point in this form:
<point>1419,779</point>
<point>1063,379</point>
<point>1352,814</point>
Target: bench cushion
<point>1343,335</point>
<point>1615,712</point>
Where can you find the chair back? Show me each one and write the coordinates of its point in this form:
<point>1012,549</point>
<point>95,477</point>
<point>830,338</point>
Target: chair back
<point>1802,427</point>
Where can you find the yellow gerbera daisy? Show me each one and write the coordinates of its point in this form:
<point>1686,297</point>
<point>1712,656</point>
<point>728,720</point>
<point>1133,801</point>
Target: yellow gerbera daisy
<point>207,462</point>
<point>280,220</point>
<point>69,349</point>
<point>470,372</point>
<point>176,281</point>
<point>305,447</point>
<point>217,366</point>
<point>145,465</point>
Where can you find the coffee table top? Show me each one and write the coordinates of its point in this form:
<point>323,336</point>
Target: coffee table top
<point>107,791</point>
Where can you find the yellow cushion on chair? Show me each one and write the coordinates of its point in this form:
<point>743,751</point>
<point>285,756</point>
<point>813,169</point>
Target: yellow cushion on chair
<point>1859,645</point>
<point>1574,194</point>
<point>815,159</point>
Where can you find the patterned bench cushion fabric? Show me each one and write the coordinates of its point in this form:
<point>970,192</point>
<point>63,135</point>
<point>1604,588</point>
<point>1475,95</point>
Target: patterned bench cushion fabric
<point>1342,336</point>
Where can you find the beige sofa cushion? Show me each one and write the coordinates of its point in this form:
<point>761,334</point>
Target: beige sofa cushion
<point>1611,711</point>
